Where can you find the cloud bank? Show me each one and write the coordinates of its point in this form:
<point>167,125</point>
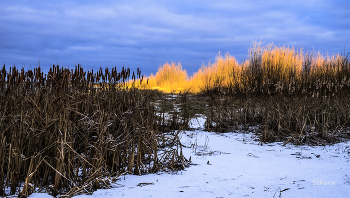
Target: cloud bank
<point>148,33</point>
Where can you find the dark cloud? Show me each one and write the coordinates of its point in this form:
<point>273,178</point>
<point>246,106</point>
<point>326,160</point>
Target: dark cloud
<point>147,34</point>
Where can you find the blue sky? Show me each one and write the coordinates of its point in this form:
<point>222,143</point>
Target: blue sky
<point>149,33</point>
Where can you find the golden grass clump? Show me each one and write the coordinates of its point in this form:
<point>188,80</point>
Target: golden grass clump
<point>225,72</point>
<point>171,78</point>
<point>269,70</point>
<point>281,63</point>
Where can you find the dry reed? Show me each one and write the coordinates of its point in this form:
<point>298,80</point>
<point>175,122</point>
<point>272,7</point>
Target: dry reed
<point>71,131</point>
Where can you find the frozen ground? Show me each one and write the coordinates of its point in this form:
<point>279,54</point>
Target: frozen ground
<point>234,165</point>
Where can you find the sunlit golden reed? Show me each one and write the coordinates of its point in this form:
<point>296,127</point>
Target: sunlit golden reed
<point>265,67</point>
<point>224,72</point>
<point>170,78</point>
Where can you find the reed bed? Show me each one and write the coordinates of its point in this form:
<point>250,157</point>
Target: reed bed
<point>276,71</point>
<point>268,70</point>
<point>298,120</point>
<point>288,95</point>
<point>70,131</point>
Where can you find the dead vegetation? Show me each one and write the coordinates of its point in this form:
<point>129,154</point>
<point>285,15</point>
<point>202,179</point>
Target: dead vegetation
<point>62,135</point>
<point>286,94</point>
<point>70,131</point>
<point>289,96</point>
<point>299,120</point>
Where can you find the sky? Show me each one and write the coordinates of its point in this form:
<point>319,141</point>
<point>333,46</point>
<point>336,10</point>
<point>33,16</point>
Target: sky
<point>149,33</point>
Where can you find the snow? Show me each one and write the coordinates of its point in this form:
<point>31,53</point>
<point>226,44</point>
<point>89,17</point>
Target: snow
<point>234,165</point>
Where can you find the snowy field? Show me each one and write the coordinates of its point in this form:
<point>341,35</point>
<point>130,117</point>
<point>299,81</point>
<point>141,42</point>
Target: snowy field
<point>234,165</point>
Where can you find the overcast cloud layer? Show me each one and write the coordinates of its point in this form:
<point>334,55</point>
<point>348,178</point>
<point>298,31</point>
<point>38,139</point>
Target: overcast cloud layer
<point>147,34</point>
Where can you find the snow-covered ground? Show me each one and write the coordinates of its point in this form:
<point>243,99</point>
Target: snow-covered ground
<point>234,165</point>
